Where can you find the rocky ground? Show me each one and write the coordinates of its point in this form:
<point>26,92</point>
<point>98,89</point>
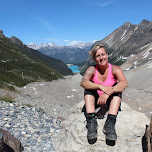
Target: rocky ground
<point>130,129</point>
<point>41,106</point>
<point>138,100</point>
<point>30,125</point>
<point>38,111</point>
<point>138,95</point>
<point>56,98</point>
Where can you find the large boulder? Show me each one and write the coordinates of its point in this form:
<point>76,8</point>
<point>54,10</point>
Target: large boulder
<point>8,143</point>
<point>130,128</point>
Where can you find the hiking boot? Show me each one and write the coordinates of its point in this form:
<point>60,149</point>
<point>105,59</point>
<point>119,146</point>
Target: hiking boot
<point>109,128</point>
<point>91,126</point>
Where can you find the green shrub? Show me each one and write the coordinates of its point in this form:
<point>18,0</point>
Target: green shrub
<point>7,99</point>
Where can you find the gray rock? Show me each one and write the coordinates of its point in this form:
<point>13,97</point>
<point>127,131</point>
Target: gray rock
<point>130,128</point>
<point>26,126</point>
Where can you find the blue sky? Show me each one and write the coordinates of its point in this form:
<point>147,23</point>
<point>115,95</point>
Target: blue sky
<point>66,22</point>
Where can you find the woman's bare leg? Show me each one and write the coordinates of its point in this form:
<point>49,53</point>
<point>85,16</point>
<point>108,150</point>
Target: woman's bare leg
<point>114,105</point>
<point>89,103</point>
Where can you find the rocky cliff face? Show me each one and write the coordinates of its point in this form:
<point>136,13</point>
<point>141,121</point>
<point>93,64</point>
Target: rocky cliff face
<point>129,39</point>
<point>129,44</point>
<point>1,34</point>
<point>17,41</point>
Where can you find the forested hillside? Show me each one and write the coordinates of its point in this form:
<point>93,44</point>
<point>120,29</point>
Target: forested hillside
<point>20,65</point>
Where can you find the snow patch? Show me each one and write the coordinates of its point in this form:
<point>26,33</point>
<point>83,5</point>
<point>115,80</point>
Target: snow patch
<point>127,69</point>
<point>144,46</point>
<point>109,39</point>
<point>70,96</point>
<point>145,56</point>
<point>33,88</point>
<point>125,58</point>
<point>136,28</point>
<point>149,65</point>
<point>132,55</point>
<point>134,44</point>
<point>41,84</point>
<point>122,57</point>
<point>147,53</point>
<point>135,63</point>
<point>123,36</point>
<point>3,61</point>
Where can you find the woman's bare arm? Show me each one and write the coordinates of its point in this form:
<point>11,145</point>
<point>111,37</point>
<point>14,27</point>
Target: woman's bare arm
<point>122,81</point>
<point>85,82</point>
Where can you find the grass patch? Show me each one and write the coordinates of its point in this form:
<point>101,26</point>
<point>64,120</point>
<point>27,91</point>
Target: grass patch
<point>28,105</point>
<point>6,99</point>
<point>8,87</point>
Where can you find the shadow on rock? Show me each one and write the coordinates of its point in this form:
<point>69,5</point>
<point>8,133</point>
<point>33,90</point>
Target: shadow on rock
<point>110,142</point>
<point>92,141</point>
<point>8,143</point>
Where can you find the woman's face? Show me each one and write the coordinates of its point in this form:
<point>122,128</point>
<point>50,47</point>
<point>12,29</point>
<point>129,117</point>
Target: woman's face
<point>101,57</point>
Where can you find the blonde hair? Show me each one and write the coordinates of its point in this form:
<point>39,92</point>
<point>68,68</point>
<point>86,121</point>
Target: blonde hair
<point>94,50</point>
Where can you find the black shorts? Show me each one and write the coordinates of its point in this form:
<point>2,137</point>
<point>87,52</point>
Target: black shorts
<point>95,94</point>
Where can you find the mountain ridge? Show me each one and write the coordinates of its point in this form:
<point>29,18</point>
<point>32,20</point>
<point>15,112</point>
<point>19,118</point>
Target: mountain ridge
<point>127,44</point>
<point>20,65</point>
<point>74,54</point>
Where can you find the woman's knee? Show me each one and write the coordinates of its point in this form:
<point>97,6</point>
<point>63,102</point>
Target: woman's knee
<point>116,101</point>
<point>89,98</point>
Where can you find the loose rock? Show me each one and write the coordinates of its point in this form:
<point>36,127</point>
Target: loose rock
<point>28,124</point>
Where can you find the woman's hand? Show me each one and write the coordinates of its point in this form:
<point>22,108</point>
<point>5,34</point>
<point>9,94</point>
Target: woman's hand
<point>106,89</point>
<point>102,99</point>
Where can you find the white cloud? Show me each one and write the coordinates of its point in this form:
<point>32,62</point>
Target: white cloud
<point>66,41</point>
<point>93,41</point>
<point>75,42</point>
<point>104,3</point>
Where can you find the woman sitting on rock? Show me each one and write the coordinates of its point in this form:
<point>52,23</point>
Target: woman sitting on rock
<point>103,85</point>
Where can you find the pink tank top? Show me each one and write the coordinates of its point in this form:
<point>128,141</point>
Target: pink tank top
<point>110,81</point>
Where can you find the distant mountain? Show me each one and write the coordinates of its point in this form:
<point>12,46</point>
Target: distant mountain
<point>20,65</point>
<point>74,54</point>
<point>129,44</point>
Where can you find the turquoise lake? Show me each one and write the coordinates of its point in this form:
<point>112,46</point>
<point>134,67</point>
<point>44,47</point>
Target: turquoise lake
<point>74,68</point>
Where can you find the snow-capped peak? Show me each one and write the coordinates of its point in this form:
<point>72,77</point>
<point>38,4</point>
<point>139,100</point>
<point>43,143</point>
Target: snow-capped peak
<point>81,45</point>
<point>52,45</point>
<point>42,45</point>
